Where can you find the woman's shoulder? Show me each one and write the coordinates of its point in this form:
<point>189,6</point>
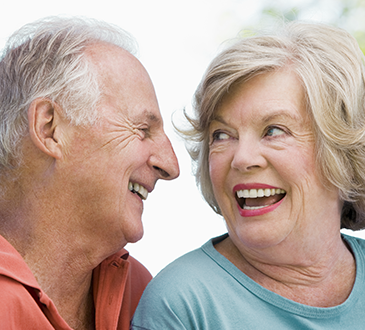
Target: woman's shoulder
<point>357,247</point>
<point>355,242</point>
<point>183,292</point>
<point>187,271</point>
<point>194,263</point>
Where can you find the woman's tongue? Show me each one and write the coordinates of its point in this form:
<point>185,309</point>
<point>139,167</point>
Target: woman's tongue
<point>263,201</point>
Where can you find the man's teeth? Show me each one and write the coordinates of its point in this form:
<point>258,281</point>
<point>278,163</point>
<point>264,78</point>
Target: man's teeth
<point>254,193</point>
<point>139,189</point>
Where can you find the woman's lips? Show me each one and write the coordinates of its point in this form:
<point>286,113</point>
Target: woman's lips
<point>257,199</point>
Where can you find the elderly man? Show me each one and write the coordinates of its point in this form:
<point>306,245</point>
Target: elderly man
<point>81,146</point>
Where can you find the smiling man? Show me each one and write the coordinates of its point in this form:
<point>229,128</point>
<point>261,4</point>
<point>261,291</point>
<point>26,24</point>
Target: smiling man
<point>81,146</point>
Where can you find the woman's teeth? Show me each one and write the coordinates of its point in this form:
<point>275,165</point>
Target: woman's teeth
<point>254,193</point>
<point>253,199</point>
<point>138,189</point>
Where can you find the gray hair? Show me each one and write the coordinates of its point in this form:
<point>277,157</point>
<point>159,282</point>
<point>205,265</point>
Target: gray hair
<point>331,67</point>
<point>46,59</point>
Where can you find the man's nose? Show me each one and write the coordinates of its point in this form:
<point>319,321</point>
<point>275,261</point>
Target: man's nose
<point>164,160</point>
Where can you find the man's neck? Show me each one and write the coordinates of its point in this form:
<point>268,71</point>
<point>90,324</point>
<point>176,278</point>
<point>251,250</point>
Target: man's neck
<point>58,258</point>
<point>65,275</point>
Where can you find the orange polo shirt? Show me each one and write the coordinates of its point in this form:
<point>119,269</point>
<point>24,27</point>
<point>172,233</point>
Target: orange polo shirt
<point>118,283</point>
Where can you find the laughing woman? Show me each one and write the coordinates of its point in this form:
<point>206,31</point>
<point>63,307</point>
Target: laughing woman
<point>280,125</point>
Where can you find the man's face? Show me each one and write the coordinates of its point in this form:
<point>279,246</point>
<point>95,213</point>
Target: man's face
<point>125,151</point>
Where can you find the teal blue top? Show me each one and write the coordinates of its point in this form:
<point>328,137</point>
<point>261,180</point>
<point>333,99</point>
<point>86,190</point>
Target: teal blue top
<point>204,290</point>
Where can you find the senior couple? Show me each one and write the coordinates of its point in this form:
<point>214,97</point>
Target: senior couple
<point>279,151</point>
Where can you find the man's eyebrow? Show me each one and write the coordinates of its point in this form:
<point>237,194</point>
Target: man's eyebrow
<point>151,116</point>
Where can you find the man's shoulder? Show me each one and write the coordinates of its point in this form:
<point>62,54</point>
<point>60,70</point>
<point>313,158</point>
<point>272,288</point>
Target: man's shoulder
<point>13,266</point>
<point>136,271</point>
<point>12,290</point>
<point>137,268</point>
<point>18,309</point>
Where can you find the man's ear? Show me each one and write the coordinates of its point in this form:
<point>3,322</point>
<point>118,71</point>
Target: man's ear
<point>43,119</point>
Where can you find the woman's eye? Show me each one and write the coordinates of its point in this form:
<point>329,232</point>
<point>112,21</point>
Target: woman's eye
<point>274,131</point>
<point>218,136</point>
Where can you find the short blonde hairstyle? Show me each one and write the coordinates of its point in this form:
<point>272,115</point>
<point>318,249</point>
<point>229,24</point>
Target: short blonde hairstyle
<point>330,65</point>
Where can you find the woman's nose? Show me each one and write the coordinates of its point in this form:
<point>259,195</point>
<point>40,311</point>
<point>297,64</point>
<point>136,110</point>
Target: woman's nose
<point>248,155</point>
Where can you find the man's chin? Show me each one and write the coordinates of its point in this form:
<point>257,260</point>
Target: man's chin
<point>135,235</point>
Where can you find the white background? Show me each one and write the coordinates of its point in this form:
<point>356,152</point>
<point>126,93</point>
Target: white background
<point>177,40</point>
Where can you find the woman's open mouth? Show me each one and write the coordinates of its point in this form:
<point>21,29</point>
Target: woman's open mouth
<point>253,199</point>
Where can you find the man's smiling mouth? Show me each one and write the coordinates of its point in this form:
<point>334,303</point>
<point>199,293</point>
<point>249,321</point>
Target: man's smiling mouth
<point>253,199</point>
<point>138,189</point>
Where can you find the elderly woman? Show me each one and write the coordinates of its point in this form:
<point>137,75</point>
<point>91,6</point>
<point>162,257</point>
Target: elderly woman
<point>280,154</point>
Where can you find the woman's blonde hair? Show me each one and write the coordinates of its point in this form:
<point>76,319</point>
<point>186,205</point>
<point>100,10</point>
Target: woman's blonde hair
<point>331,67</point>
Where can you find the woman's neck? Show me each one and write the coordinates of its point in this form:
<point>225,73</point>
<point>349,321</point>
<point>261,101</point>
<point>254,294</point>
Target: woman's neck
<point>323,277</point>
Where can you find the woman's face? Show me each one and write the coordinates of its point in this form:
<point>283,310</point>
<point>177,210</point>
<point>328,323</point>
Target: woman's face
<point>262,164</point>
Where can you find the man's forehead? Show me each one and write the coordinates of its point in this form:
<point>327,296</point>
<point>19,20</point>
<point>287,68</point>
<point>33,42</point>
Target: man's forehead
<point>98,51</point>
<point>125,84</point>
<point>113,62</point>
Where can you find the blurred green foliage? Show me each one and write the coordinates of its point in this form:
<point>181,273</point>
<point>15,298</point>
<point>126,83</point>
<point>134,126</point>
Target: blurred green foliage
<point>347,14</point>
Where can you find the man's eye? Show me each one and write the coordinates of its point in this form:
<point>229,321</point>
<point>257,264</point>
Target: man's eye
<point>274,131</point>
<point>218,136</point>
<point>145,131</point>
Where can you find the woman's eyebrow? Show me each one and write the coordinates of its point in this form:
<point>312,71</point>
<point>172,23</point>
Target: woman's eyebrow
<point>220,119</point>
<point>282,114</point>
